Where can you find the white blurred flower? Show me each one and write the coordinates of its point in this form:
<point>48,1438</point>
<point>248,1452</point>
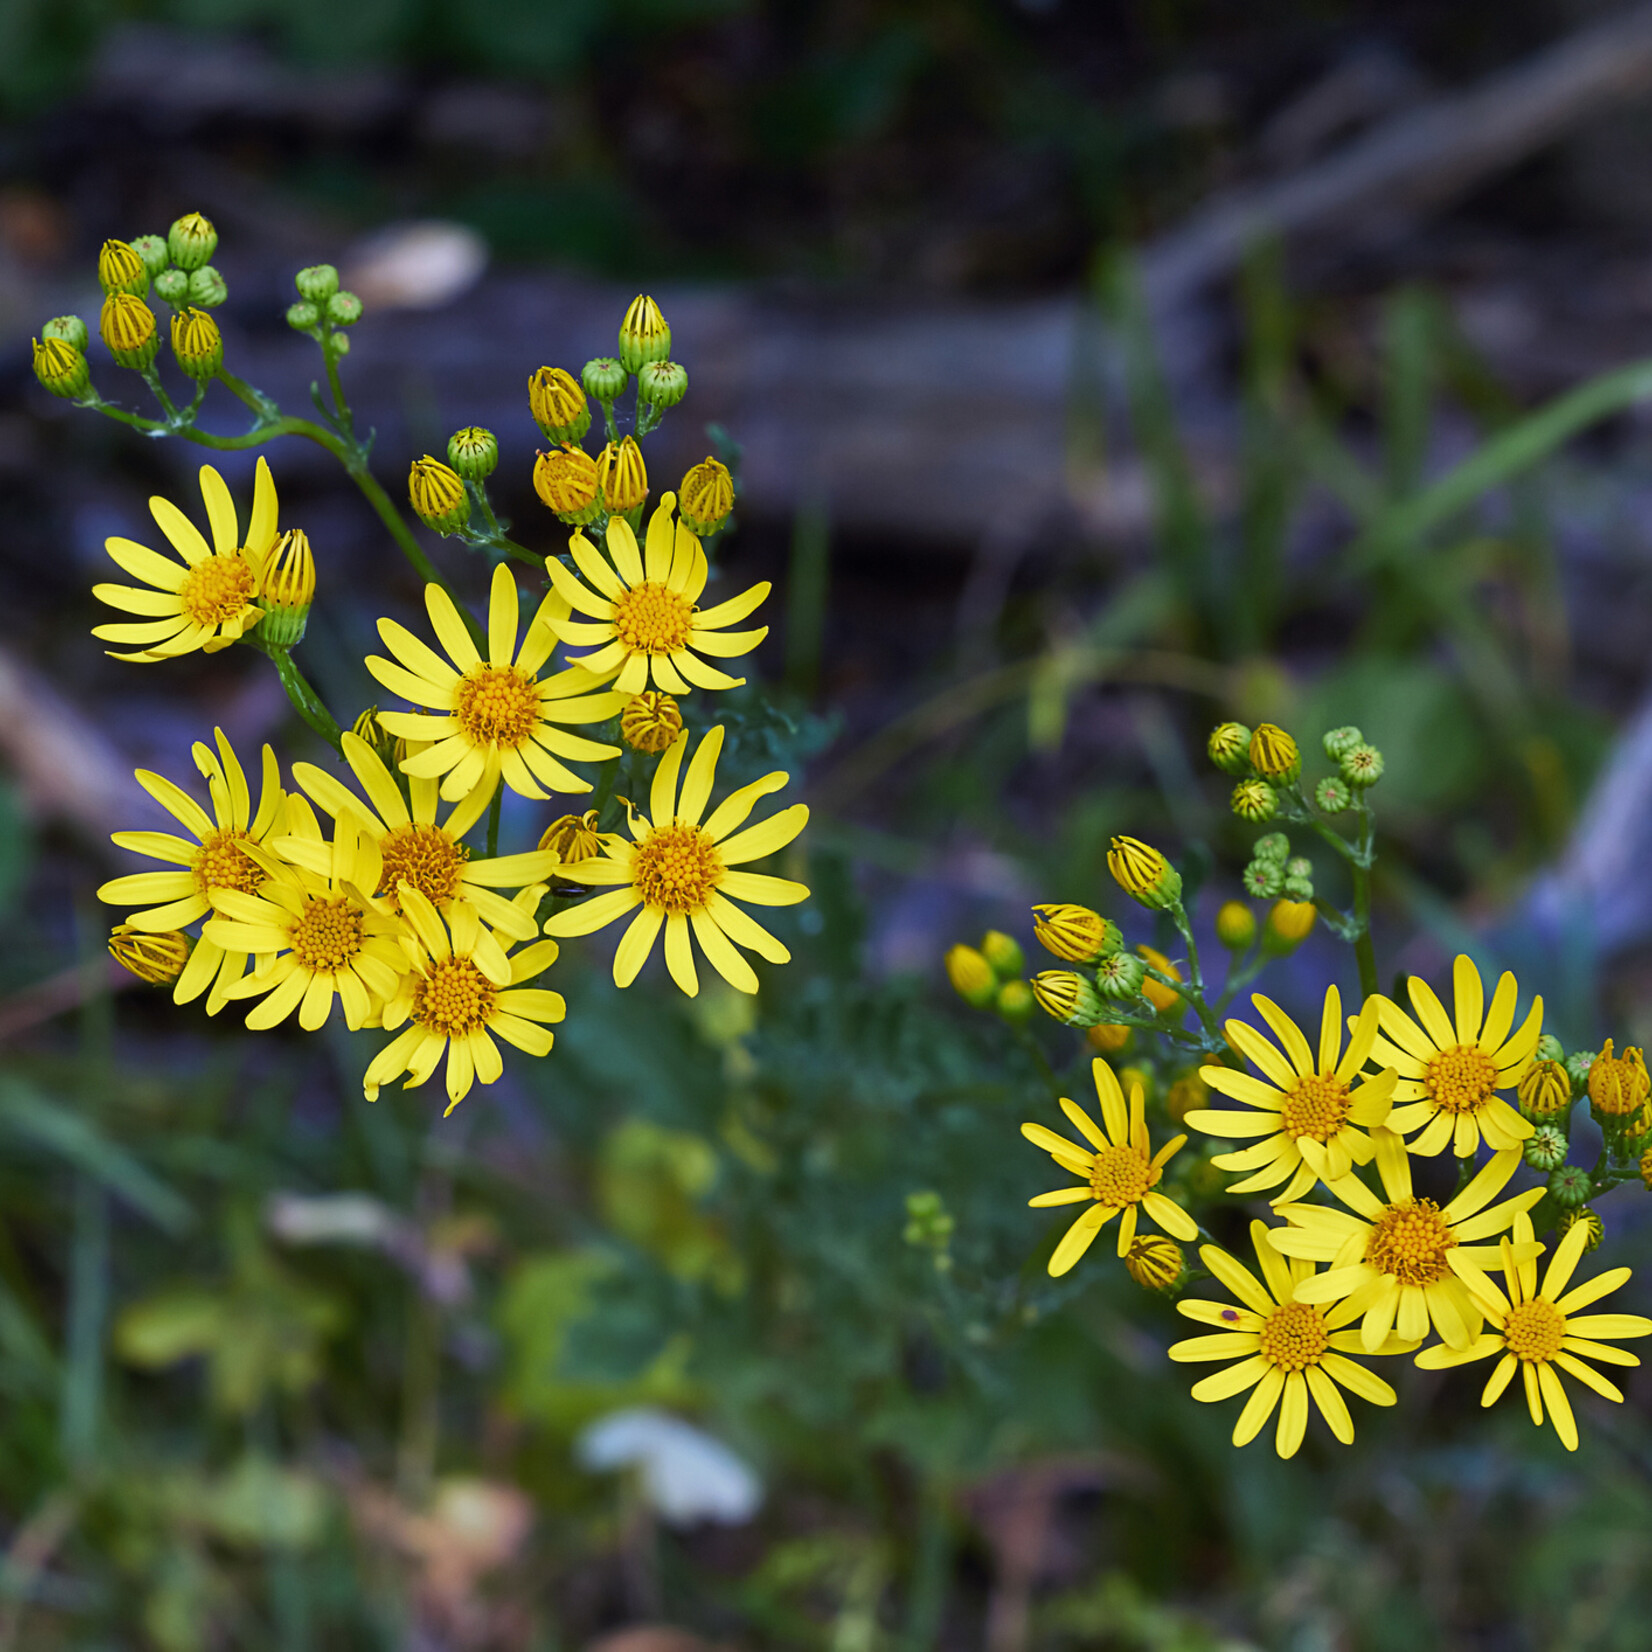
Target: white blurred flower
<point>686,1475</point>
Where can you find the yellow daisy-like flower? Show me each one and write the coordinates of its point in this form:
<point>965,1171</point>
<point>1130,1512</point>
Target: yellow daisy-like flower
<point>213,862</point>
<point>1536,1331</point>
<point>643,605</point>
<point>209,599</point>
<point>316,937</point>
<point>1404,1262</point>
<point>1311,1111</point>
<point>1119,1176</point>
<point>494,717</point>
<point>1449,1074</point>
<point>1287,1350</point>
<point>462,990</point>
<point>412,844</point>
<point>686,875</point>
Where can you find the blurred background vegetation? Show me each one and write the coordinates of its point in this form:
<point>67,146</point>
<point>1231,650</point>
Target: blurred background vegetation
<point>284,1371</point>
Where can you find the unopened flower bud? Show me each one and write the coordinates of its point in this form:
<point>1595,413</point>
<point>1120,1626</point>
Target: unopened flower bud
<point>651,722</point>
<point>661,383</point>
<point>192,241</point>
<point>368,727</point>
<point>1545,1092</point>
<point>1108,1037</point>
<point>121,270</point>
<point>1361,766</point>
<point>558,405</point>
<point>971,976</point>
<point>1263,879</point>
<point>152,249</point>
<point>1015,1002</point>
<point>1339,740</point>
<point>706,496</point>
<point>1549,1048</point>
<point>340,345</point>
<point>573,837</point>
<point>344,309</point>
<point>1160,996</point>
<point>1577,1066</point>
<point>1618,1085</point>
<point>197,343</point>
<point>1273,753</point>
<point>1004,953</point>
<point>1255,800</point>
<point>1235,925</point>
<point>317,283</point>
<point>1299,866</point>
<point>437,495</point>
<point>473,452</point>
<point>1298,889</point>
<point>1646,1169</point>
<point>1591,1221</point>
<point>643,335</point>
<point>622,478</point>
<point>1272,846</point>
<point>566,479</point>
<point>71,329</point>
<point>288,590</point>
<point>1156,1263</point>
<point>1141,871</point>
<point>1120,976</point>
<point>1545,1148</point>
<point>207,289</point>
<point>1332,796</point>
<point>1289,925</point>
<point>1229,748</point>
<point>61,368</point>
<point>156,957</point>
<point>1075,933</point>
<point>603,379</point>
<point>172,287</point>
<point>1569,1186</point>
<point>128,328</point>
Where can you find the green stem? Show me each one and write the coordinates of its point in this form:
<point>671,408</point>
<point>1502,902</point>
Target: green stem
<point>496,538</point>
<point>306,702</point>
<point>1025,1039</point>
<point>1360,866</point>
<point>340,406</point>
<point>493,819</point>
<point>608,421</point>
<point>1193,989</point>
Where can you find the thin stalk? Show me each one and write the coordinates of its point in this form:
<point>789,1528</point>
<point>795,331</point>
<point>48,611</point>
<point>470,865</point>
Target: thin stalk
<point>927,1601</point>
<point>306,702</point>
<point>493,819</point>
<point>1025,1039</point>
<point>1360,866</point>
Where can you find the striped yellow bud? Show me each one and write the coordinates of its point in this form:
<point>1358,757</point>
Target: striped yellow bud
<point>1068,997</point>
<point>127,326</point>
<point>156,958</point>
<point>1140,870</point>
<point>1228,747</point>
<point>622,477</point>
<point>288,591</point>
<point>651,722</point>
<point>367,727</point>
<point>192,241</point>
<point>197,343</point>
<point>121,270</point>
<point>1273,753</point>
<point>1545,1091</point>
<point>473,452</point>
<point>1255,800</point>
<point>558,404</point>
<point>61,368</point>
<point>566,479</point>
<point>438,496</point>
<point>643,334</point>
<point>1075,933</point>
<point>1155,1263</point>
<point>1592,1224</point>
<point>706,496</point>
<point>971,976</point>
<point>1618,1085</point>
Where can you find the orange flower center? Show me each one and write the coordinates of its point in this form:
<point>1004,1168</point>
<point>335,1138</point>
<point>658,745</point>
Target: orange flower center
<point>1294,1336</point>
<point>1410,1240</point>
<point>427,858</point>
<point>1462,1079</point>
<point>497,704</point>
<point>216,590</point>
<point>676,868</point>
<point>1316,1106</point>
<point>220,864</point>
<point>454,999</point>
<point>653,619</point>
<point>1120,1176</point>
<point>1534,1330</point>
<point>327,935</point>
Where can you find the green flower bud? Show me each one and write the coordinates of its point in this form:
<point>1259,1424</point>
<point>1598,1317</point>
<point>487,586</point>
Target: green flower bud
<point>206,288</point>
<point>1141,871</point>
<point>1332,796</point>
<point>318,283</point>
<point>1545,1148</point>
<point>1361,766</point>
<point>1577,1066</point>
<point>1272,846</point>
<point>1263,879</point>
<point>1015,1002</point>
<point>1569,1186</point>
<point>1120,976</point>
<point>1228,748</point>
<point>172,287</point>
<point>303,317</point>
<point>473,452</point>
<point>344,309</point>
<point>603,378</point>
<point>70,328</point>
<point>61,368</point>
<point>1068,997</point>
<point>340,345</point>
<point>661,383</point>
<point>643,335</point>
<point>1299,889</point>
<point>1003,952</point>
<point>1340,740</point>
<point>192,241</point>
<point>1299,866</point>
<point>1255,800</point>
<point>152,249</point>
<point>1549,1049</point>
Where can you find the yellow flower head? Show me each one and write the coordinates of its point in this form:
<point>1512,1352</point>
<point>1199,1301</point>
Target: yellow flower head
<point>686,876</point>
<point>1119,1173</point>
<point>491,717</point>
<point>214,861</point>
<point>127,326</point>
<point>1075,933</point>
<point>1288,1350</point>
<point>1405,1262</point>
<point>209,599</point>
<point>316,935</point>
<point>645,624</point>
<point>415,846</point>
<point>1312,1115</point>
<point>1618,1085</point>
<point>566,479</point>
<point>121,270</point>
<point>197,343</point>
<point>643,335</point>
<point>622,477</point>
<point>463,991</point>
<point>558,405</point>
<point>156,959</point>
<point>1449,1075</point>
<point>1541,1333</point>
<point>706,497</point>
<point>651,722</point>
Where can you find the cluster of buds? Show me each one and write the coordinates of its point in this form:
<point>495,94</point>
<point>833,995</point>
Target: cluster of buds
<point>1266,762</point>
<point>929,1226</point>
<point>1273,871</point>
<point>1359,764</point>
<point>988,976</point>
<point>1110,973</point>
<point>323,307</point>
